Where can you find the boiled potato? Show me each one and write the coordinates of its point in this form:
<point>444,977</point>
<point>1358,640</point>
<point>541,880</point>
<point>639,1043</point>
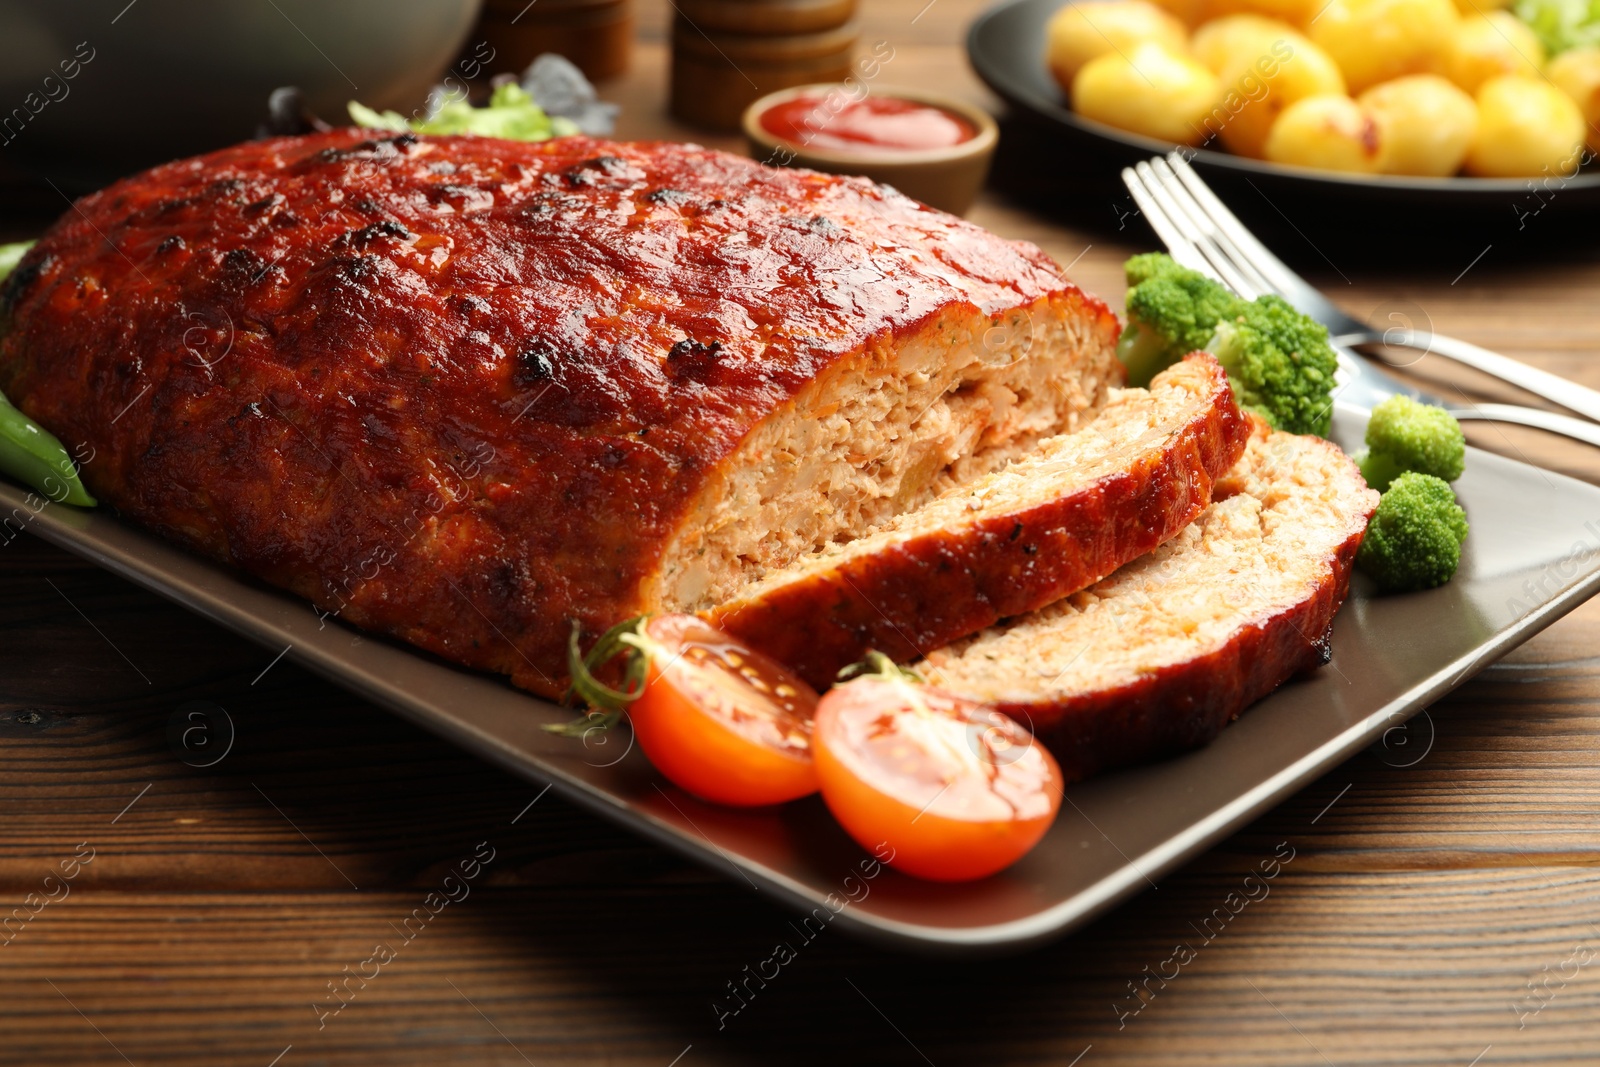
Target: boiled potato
<point>1577,73</point>
<point>1236,39</point>
<point>1327,133</point>
<point>1081,32</point>
<point>1485,45</point>
<point>1151,90</point>
<point>1526,128</point>
<point>1375,40</point>
<point>1189,12</point>
<point>1426,123</point>
<point>1292,11</point>
<point>1264,66</point>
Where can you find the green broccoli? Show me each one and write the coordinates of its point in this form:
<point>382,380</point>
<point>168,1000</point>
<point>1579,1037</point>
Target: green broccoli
<point>1561,24</point>
<point>1414,538</point>
<point>1279,361</point>
<point>1405,435</point>
<point>1172,311</point>
<point>1280,364</point>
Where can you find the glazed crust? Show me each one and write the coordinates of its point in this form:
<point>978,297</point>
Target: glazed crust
<point>935,586</point>
<point>463,390</point>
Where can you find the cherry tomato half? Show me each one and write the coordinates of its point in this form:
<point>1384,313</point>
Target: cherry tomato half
<point>956,789</point>
<point>719,719</point>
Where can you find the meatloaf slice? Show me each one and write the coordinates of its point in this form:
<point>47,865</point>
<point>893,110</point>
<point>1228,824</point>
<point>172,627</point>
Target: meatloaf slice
<point>1170,649</point>
<point>467,391</point>
<point>1044,526</point>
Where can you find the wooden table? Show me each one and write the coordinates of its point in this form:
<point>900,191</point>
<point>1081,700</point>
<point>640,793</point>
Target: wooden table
<point>1441,913</point>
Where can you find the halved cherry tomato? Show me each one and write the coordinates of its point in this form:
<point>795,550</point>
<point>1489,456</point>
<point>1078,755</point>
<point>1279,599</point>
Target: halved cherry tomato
<point>718,718</point>
<point>956,789</point>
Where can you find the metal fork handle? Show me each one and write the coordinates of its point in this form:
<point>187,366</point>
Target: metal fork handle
<point>1566,425</point>
<point>1542,383</point>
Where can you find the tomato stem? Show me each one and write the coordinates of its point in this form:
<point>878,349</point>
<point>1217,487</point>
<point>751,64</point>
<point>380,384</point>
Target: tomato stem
<point>605,704</point>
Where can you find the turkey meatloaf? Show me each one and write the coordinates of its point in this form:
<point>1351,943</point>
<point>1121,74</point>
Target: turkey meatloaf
<point>1171,648</point>
<point>466,390</point>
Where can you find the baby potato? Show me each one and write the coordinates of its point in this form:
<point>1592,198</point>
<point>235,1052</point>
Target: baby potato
<point>1264,66</point>
<point>1526,127</point>
<point>1291,11</point>
<point>1236,40</point>
<point>1375,40</point>
<point>1152,90</point>
<point>1081,32</point>
<point>1576,72</point>
<point>1426,124</point>
<point>1485,45</point>
<point>1327,133</point>
<point>1189,12</point>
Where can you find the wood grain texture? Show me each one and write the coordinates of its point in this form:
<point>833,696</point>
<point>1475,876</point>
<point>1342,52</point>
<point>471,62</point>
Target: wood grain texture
<point>1420,904</point>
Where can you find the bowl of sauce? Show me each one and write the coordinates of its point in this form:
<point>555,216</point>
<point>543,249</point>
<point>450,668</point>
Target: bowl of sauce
<point>932,148</point>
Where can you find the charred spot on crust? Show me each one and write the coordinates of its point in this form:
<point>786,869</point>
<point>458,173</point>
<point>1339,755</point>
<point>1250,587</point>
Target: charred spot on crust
<point>611,172</point>
<point>170,243</point>
<point>535,362</point>
<point>666,196</point>
<point>693,359</point>
<point>367,206</point>
<point>359,269</point>
<point>377,231</point>
<point>377,148</point>
<point>167,207</point>
<point>265,204</point>
<point>241,264</point>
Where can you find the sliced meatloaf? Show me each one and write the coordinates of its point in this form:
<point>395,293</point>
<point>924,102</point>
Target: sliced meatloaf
<point>1170,649</point>
<point>466,390</point>
<point>1046,525</point>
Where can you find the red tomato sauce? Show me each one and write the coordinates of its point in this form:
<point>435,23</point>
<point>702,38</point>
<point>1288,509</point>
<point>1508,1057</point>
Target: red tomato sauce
<point>876,122</point>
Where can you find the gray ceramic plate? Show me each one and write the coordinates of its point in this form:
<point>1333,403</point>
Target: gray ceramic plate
<point>1534,554</point>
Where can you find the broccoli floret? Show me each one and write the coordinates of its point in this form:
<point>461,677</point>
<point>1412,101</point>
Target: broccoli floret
<point>1280,364</point>
<point>1378,468</point>
<point>1172,311</point>
<point>1414,538</point>
<point>1404,435</point>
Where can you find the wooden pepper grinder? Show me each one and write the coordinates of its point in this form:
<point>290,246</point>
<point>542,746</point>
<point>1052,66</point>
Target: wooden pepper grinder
<point>596,35</point>
<point>728,53</point>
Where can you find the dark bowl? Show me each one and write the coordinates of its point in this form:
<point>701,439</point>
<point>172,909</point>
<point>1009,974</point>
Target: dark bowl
<point>1070,166</point>
<point>154,80</point>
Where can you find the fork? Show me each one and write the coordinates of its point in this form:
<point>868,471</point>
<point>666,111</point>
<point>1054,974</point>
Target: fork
<point>1202,234</point>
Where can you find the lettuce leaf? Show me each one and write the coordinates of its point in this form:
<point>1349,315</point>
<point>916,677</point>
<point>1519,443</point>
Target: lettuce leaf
<point>511,114</point>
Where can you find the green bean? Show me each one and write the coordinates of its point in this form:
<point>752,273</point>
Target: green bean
<point>29,452</point>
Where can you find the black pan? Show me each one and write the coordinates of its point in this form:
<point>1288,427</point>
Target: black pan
<point>1069,166</point>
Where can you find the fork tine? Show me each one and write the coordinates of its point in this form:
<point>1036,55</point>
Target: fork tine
<point>1195,233</point>
<point>1256,283</point>
<point>1178,246</point>
<point>1273,270</point>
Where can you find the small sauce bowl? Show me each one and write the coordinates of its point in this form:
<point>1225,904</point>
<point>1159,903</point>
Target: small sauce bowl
<point>947,176</point>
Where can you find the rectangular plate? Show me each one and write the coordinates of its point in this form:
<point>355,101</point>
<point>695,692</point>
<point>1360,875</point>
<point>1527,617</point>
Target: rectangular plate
<point>1533,555</point>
